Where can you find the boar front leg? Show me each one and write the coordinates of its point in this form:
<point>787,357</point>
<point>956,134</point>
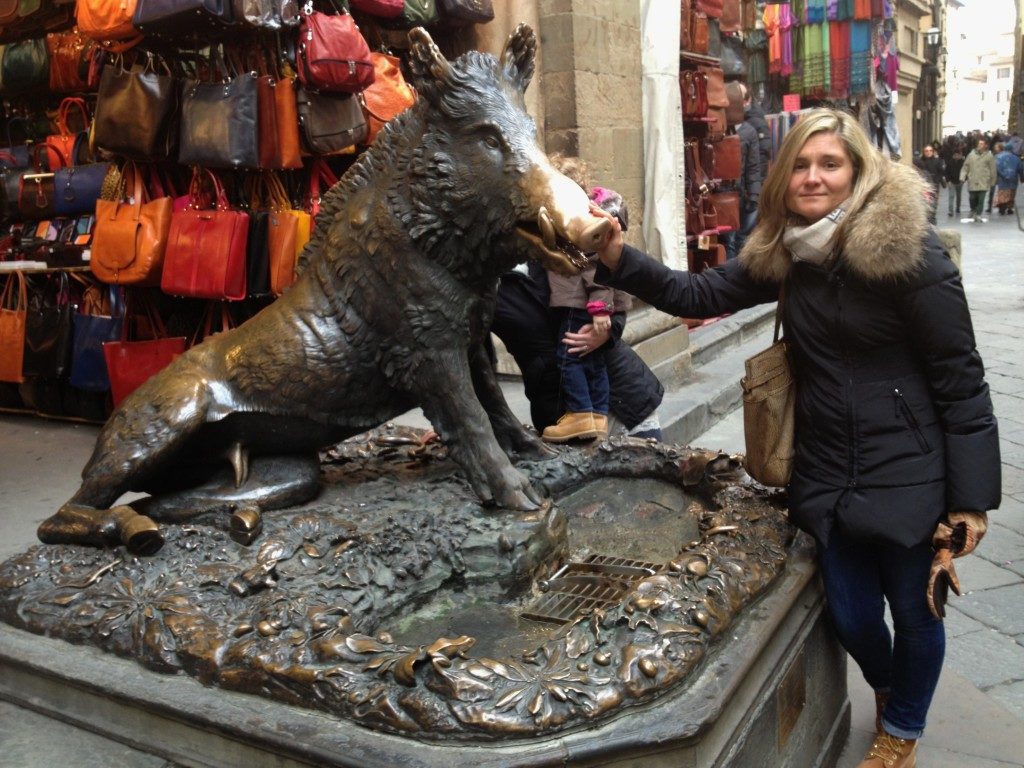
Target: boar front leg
<point>513,437</point>
<point>451,405</point>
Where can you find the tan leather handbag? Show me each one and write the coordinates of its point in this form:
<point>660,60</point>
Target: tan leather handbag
<point>769,406</point>
<point>130,238</point>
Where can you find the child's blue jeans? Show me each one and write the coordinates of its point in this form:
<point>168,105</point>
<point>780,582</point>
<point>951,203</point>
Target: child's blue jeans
<point>583,378</point>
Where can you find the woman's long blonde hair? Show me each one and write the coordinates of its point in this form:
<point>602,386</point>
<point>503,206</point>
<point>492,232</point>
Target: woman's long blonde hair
<point>766,240</point>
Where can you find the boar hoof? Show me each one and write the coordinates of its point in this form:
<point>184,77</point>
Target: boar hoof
<point>246,525</point>
<point>141,535</point>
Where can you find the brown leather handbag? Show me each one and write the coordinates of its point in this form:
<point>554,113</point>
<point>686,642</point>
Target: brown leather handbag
<point>289,145</point>
<point>701,215</point>
<point>713,8</point>
<point>13,319</point>
<point>685,11</point>
<point>387,97</point>
<point>769,408</point>
<point>331,122</point>
<point>730,21</point>
<point>266,120</point>
<point>717,97</point>
<point>727,207</point>
<point>699,32</point>
<point>130,237</point>
<point>693,87</point>
<point>717,124</point>
<point>727,164</point>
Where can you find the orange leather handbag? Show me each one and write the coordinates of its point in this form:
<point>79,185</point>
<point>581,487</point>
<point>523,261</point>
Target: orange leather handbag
<point>61,146</point>
<point>13,317</point>
<point>106,20</point>
<point>130,238</point>
<point>387,97</point>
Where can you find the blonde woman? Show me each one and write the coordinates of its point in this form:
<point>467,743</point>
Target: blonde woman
<point>895,436</point>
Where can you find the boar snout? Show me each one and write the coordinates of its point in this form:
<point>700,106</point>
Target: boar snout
<point>592,234</point>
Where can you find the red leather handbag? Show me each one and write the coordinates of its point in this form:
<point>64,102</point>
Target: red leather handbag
<point>131,363</point>
<point>61,146</point>
<point>386,9</point>
<point>332,54</point>
<point>206,248</point>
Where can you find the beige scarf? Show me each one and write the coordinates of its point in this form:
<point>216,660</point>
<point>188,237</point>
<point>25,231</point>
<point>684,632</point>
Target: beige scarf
<point>815,242</point>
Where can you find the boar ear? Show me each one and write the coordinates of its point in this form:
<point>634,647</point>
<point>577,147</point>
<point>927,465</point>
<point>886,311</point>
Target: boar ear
<point>425,59</point>
<point>517,58</point>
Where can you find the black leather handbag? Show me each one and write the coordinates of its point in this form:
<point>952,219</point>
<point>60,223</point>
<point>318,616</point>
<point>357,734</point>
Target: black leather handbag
<point>257,259</point>
<point>330,122</point>
<point>219,124</point>
<point>460,12</point>
<point>180,16</point>
<point>26,66</point>
<point>137,112</point>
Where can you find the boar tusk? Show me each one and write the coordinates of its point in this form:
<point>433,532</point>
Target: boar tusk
<point>546,226</point>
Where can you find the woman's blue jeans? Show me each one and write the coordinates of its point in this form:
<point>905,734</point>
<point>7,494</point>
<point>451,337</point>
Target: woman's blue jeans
<point>859,576</point>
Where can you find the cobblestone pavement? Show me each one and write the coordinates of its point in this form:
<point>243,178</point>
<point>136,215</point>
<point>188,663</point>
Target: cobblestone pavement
<point>984,626</point>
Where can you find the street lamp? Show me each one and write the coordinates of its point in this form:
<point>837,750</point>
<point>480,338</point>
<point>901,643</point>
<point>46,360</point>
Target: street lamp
<point>931,37</point>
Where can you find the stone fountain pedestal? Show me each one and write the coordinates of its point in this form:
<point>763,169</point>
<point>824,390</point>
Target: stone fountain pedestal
<point>331,645</point>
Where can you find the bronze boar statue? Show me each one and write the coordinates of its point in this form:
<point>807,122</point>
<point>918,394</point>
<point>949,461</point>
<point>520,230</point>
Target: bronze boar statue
<point>390,311</point>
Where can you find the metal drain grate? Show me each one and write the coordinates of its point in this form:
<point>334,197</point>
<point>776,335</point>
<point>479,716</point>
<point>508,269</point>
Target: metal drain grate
<point>577,589</point>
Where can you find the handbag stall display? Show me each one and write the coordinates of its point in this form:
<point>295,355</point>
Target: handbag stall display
<point>206,248</point>
<point>769,406</point>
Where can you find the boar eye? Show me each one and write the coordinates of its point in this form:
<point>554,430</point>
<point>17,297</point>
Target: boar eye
<point>492,141</point>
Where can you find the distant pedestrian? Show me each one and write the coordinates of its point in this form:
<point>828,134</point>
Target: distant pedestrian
<point>932,168</point>
<point>979,171</point>
<point>1009,173</point>
<point>954,161</point>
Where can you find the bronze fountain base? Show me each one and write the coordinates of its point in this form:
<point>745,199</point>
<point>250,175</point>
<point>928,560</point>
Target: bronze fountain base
<point>425,629</point>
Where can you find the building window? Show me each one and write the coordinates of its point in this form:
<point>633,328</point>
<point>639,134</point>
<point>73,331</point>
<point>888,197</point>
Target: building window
<point>1002,73</point>
<point>982,116</point>
<point>999,96</point>
<point>982,95</point>
<point>910,35</point>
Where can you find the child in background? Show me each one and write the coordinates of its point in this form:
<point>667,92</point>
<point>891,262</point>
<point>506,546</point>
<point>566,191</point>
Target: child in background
<point>577,301</point>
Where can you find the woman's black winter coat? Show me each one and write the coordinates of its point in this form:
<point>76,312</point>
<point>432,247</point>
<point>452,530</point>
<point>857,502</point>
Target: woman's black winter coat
<point>894,423</point>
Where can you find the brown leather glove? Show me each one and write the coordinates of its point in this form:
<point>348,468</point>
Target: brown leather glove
<point>955,538</point>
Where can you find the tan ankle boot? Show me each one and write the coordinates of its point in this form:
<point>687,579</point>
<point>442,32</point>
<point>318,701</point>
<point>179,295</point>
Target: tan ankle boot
<point>889,751</point>
<point>572,426</point>
<point>880,700</point>
<point>601,425</point>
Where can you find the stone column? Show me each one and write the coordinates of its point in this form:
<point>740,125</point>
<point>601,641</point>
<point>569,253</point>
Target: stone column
<point>590,84</point>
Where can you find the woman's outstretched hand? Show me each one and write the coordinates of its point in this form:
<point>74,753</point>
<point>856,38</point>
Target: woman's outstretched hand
<point>610,249</point>
<point>588,338</point>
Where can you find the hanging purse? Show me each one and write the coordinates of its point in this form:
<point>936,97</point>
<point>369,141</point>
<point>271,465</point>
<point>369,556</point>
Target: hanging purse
<point>78,188</point>
<point>730,21</point>
<point>180,17</point>
<point>330,122</point>
<point>106,20</point>
<point>99,319</point>
<point>131,362</point>
<point>130,236</point>
<point>716,123</point>
<point>734,63</point>
<point>64,143</point>
<point>727,163</point>
<point>699,32</point>
<point>693,87</point>
<point>48,327</point>
<point>67,51</point>
<point>35,188</point>
<point>137,112</point>
<point>386,9</point>
<point>257,256</point>
<point>25,66</point>
<point>13,314</point>
<point>219,123</point>
<point>458,13</point>
<point>288,146</point>
<point>769,405</point>
<point>418,13</point>
<point>205,256</point>
<point>727,209</point>
<point>717,96</point>
<point>387,97</point>
<point>332,54</point>
<point>713,8</point>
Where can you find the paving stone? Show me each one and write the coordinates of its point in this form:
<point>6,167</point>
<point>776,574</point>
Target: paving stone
<point>978,574</point>
<point>1009,515</point>
<point>1001,609</point>
<point>986,658</point>
<point>30,740</point>
<point>959,623</point>
<point>1003,546</point>
<point>1011,696</point>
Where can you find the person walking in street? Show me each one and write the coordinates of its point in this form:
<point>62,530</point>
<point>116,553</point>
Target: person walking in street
<point>979,171</point>
<point>895,438</point>
<point>1009,173</point>
<point>932,168</point>
<point>954,161</point>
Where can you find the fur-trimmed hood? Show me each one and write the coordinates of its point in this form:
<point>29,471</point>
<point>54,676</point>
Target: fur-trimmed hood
<point>882,240</point>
